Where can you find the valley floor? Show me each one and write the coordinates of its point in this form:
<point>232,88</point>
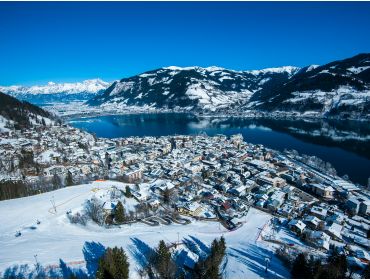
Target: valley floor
<point>55,238</point>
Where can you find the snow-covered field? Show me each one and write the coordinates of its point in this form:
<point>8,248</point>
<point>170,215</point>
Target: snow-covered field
<point>55,238</point>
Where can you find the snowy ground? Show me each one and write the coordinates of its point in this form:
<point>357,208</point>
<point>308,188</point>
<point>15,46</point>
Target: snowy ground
<point>55,238</point>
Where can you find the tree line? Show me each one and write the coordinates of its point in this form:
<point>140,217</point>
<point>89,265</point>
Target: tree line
<point>336,267</point>
<point>161,264</point>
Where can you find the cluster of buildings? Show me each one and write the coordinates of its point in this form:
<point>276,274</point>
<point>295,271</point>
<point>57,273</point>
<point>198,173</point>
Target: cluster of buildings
<point>55,154</point>
<point>211,178</point>
<point>219,178</point>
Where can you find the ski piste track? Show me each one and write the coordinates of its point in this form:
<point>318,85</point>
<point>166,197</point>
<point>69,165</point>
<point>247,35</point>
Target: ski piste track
<point>93,189</point>
<point>52,210</point>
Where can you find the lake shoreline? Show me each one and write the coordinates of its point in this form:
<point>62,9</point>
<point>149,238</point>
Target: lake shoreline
<point>247,115</point>
<point>345,144</point>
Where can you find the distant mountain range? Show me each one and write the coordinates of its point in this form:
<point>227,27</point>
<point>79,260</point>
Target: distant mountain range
<point>340,88</point>
<point>57,92</point>
<point>88,86</point>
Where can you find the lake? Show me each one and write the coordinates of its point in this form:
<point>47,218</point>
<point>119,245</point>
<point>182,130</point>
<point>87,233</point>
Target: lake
<point>345,144</point>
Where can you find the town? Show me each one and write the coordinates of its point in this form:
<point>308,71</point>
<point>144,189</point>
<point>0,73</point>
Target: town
<point>184,178</point>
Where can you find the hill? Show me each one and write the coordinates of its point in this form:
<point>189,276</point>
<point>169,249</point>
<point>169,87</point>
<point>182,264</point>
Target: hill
<point>20,114</point>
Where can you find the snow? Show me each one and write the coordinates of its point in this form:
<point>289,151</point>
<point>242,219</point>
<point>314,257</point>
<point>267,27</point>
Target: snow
<point>284,69</point>
<point>358,70</point>
<point>55,238</point>
<point>344,95</point>
<point>91,86</point>
<point>312,67</point>
<point>263,81</point>
<point>289,69</point>
<point>3,122</point>
<point>195,92</point>
<point>47,156</point>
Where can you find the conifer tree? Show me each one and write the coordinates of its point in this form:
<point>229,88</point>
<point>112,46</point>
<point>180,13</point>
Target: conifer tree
<point>69,180</point>
<point>128,192</point>
<point>166,196</point>
<point>210,267</point>
<point>164,263</point>
<point>113,265</point>
<point>366,273</point>
<point>337,265</point>
<point>300,269</point>
<point>120,216</point>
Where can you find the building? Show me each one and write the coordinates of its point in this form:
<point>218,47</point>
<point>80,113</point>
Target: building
<point>275,182</point>
<point>319,212</point>
<point>297,226</point>
<point>326,192</point>
<point>364,207</point>
<point>133,175</point>
<point>353,205</point>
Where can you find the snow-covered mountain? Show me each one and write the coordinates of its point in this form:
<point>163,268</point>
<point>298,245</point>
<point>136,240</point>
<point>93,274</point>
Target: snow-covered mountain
<point>53,93</point>
<point>88,86</point>
<point>192,88</point>
<point>338,88</point>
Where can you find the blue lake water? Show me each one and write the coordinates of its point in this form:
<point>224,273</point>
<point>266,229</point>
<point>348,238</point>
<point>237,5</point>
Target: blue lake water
<point>345,144</point>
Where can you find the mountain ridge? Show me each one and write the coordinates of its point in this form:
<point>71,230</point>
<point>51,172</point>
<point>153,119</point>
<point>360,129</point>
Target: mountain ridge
<point>338,88</point>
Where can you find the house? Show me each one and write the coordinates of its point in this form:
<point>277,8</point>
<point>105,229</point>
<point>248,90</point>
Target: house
<point>312,222</point>
<point>226,205</point>
<point>353,205</point>
<point>193,208</point>
<point>275,182</point>
<point>238,191</point>
<point>261,203</point>
<point>364,207</point>
<point>326,192</point>
<point>334,231</point>
<point>133,175</point>
<point>319,212</point>
<point>337,217</point>
<point>297,226</point>
<point>319,238</point>
<point>286,210</point>
<point>276,200</point>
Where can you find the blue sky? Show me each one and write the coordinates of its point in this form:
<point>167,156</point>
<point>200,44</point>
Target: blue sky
<point>72,41</point>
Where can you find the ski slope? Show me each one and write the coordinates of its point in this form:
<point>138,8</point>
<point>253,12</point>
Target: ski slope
<point>55,238</point>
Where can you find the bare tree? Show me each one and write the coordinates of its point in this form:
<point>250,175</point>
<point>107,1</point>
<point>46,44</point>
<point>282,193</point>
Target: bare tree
<point>94,209</point>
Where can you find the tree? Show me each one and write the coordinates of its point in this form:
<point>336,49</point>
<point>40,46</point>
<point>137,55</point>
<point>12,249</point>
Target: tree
<point>69,179</point>
<point>113,265</point>
<point>93,208</point>
<point>164,264</point>
<point>128,192</point>
<point>366,273</point>
<point>209,268</point>
<point>300,268</point>
<point>337,265</point>
<point>120,216</point>
<point>222,245</point>
<point>166,196</point>
<point>56,181</point>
